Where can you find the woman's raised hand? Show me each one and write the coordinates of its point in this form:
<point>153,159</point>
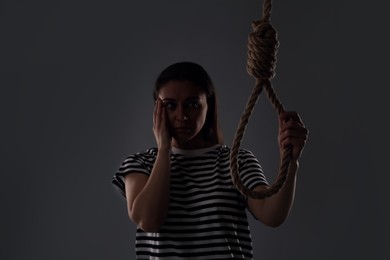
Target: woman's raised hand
<point>160,126</point>
<point>292,132</point>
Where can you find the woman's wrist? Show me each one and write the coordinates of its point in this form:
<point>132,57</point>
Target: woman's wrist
<point>295,163</point>
<point>165,149</point>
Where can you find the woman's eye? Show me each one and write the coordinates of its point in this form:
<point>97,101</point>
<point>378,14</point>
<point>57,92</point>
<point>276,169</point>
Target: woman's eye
<point>193,105</point>
<point>169,105</point>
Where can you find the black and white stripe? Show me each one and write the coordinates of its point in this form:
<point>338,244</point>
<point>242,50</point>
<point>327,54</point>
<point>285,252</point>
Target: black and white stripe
<point>207,215</point>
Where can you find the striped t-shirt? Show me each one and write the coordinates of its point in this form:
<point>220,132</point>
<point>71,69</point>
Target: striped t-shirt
<point>207,215</point>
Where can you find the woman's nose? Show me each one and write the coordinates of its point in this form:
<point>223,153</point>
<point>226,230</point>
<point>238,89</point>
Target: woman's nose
<point>181,113</point>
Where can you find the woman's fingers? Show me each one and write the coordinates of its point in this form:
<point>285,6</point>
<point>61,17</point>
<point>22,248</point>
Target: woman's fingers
<point>160,125</point>
<point>157,114</point>
<point>292,132</point>
<point>287,116</point>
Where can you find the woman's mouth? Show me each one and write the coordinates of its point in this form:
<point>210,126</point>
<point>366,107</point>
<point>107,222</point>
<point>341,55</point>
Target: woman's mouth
<point>182,129</point>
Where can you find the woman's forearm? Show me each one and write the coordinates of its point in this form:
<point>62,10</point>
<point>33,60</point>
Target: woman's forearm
<point>274,210</point>
<point>150,207</point>
<point>278,206</point>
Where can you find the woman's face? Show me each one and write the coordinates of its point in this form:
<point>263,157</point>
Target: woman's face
<point>186,107</point>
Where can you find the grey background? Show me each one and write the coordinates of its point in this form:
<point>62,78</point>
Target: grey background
<point>76,80</point>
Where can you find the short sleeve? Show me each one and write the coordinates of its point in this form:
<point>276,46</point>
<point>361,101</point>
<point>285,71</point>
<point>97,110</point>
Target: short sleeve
<point>141,162</point>
<point>250,171</point>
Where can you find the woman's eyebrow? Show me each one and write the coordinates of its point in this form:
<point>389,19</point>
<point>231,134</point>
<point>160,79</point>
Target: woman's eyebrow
<point>193,98</point>
<point>168,99</point>
<point>189,98</point>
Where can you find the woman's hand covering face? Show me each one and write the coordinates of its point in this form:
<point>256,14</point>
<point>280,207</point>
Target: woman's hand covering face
<point>160,125</point>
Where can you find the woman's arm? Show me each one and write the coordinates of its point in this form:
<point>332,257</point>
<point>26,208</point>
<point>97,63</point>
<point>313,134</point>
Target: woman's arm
<point>274,210</point>
<point>148,197</point>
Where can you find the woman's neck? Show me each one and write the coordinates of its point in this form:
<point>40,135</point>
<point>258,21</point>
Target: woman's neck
<point>193,144</point>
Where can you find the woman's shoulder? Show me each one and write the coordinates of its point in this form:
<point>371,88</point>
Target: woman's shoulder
<point>147,154</point>
<point>149,151</point>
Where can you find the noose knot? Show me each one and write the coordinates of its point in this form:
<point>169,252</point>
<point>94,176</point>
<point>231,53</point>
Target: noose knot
<point>262,50</point>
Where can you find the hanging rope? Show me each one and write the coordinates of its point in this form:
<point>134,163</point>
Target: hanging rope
<point>261,63</point>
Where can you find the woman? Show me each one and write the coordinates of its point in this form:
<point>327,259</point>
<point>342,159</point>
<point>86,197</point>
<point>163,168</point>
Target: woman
<point>180,194</point>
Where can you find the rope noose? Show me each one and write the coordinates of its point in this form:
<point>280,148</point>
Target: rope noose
<point>261,63</point>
